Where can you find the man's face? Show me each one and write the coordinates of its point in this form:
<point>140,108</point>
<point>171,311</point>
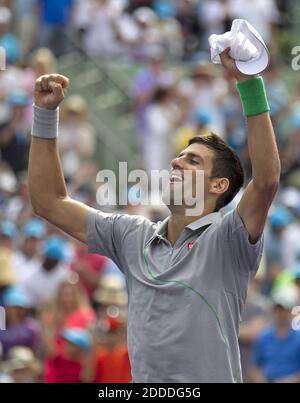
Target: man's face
<point>71,350</point>
<point>282,316</point>
<point>6,241</point>
<point>67,296</point>
<point>185,178</point>
<point>50,264</point>
<point>15,314</point>
<point>31,246</point>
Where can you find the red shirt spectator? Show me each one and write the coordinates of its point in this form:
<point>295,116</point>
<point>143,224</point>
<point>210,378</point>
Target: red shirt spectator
<point>112,366</point>
<point>61,369</point>
<point>110,362</point>
<point>89,268</point>
<point>67,367</point>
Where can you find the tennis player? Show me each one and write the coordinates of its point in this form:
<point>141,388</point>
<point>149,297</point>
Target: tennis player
<point>187,277</point>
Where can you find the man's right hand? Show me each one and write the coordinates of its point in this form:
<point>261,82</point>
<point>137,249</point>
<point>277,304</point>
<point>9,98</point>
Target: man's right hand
<point>50,90</point>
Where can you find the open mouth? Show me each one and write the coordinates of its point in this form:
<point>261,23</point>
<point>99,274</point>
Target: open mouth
<point>176,176</point>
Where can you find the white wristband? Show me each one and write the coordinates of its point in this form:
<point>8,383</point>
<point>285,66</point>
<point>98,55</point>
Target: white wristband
<point>45,122</point>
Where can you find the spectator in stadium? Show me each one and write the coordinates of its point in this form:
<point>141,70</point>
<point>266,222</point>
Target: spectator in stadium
<point>45,280</point>
<point>100,39</point>
<point>255,318</point>
<point>77,145</point>
<point>145,83</point>
<point>26,13</point>
<point>89,267</point>
<point>206,91</point>
<point>13,134</point>
<point>212,15</point>
<point>199,126</point>
<point>18,207</point>
<point>68,308</point>
<point>21,366</point>
<point>277,350</point>
<point>8,40</point>
<point>7,278</point>
<point>108,361</point>
<point>190,26</point>
<point>167,111</point>
<point>111,295</point>
<point>170,29</point>
<point>8,231</point>
<point>279,220</point>
<point>55,15</point>
<point>68,365</point>
<point>21,328</point>
<point>27,259</point>
<point>262,14</point>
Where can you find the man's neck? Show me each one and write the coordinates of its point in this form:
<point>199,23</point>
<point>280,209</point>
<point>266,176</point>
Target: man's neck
<point>178,221</point>
<point>282,330</point>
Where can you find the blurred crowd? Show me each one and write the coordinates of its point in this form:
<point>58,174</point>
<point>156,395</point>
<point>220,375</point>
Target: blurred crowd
<point>65,309</point>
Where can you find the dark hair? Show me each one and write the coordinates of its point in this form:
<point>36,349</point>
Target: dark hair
<point>226,164</point>
<point>161,94</point>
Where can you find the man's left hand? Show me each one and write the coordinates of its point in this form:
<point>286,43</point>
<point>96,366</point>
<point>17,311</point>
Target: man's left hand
<point>229,64</point>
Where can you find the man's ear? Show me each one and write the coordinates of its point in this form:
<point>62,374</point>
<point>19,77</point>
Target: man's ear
<point>219,185</point>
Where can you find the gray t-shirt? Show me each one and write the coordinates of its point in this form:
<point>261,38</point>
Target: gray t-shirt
<point>185,301</point>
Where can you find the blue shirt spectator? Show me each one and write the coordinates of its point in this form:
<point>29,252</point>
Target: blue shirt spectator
<point>278,357</point>
<point>56,11</point>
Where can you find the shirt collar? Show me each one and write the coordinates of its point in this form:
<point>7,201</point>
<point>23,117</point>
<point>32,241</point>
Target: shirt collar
<point>161,228</point>
<point>201,222</point>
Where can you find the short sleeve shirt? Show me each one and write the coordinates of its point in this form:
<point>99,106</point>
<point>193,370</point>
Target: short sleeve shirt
<point>185,300</point>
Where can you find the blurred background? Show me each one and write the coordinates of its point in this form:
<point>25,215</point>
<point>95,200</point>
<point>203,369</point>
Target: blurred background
<point>141,86</point>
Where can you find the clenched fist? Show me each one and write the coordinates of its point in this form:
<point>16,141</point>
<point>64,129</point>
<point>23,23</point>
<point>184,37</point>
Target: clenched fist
<point>230,66</point>
<point>50,90</point>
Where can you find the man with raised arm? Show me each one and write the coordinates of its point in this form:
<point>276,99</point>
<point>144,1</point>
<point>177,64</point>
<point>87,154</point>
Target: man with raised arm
<point>187,277</point>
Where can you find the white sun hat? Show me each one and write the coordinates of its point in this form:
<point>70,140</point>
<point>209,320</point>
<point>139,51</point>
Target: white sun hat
<point>287,296</point>
<point>247,47</point>
<point>5,15</point>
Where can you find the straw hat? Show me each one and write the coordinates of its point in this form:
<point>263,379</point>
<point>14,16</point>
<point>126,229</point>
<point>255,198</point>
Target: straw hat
<point>111,291</point>
<point>76,104</point>
<point>5,15</point>
<point>205,69</point>
<point>286,296</point>
<point>20,357</point>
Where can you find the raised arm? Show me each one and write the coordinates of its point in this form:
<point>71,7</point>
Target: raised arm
<point>47,186</point>
<point>259,194</point>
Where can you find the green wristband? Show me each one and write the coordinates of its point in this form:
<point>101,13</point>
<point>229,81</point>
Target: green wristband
<point>253,96</point>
